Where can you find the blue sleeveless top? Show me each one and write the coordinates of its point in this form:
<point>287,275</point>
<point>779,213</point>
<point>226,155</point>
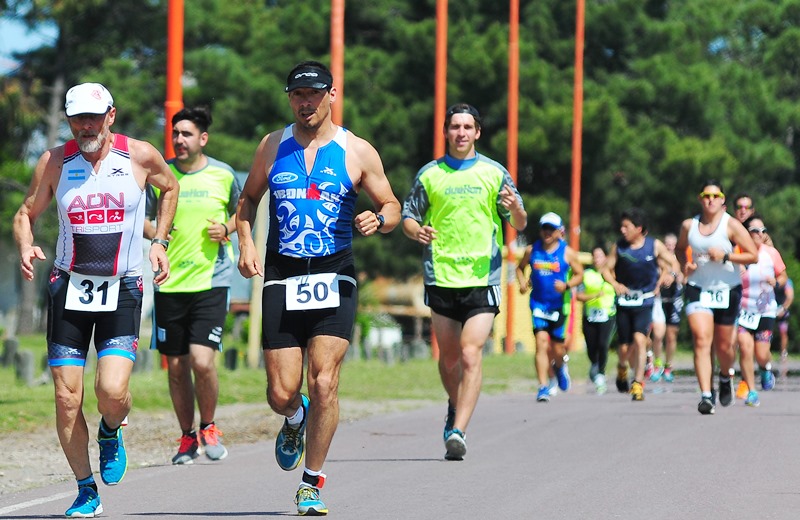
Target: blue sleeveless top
<point>637,269</point>
<point>311,214</point>
<point>546,269</point>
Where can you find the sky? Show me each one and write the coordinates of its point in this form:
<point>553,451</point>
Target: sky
<point>15,37</point>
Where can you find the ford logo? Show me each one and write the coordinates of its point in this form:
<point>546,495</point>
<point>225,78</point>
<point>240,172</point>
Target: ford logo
<point>284,178</point>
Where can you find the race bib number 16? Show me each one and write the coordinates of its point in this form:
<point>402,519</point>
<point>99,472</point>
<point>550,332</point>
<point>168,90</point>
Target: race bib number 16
<point>314,291</point>
<point>92,293</point>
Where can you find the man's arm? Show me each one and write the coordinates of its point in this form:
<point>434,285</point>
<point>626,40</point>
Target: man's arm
<point>159,175</point>
<point>40,193</point>
<point>377,187</point>
<point>253,191</point>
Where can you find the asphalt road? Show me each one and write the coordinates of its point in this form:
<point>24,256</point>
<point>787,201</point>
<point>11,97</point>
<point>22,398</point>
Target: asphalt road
<point>581,456</point>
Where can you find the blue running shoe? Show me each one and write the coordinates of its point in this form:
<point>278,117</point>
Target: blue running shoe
<point>543,395</point>
<point>113,458</point>
<point>455,445</point>
<point>449,419</point>
<point>668,375</point>
<point>562,374</point>
<point>752,399</point>
<point>308,502</point>
<point>87,505</point>
<point>767,380</point>
<point>290,445</point>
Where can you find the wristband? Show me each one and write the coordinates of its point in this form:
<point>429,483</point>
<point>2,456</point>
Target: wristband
<point>226,230</point>
<point>163,243</point>
<point>725,258</point>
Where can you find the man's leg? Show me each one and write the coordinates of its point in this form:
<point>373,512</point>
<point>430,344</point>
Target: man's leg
<point>464,355</point>
<point>114,404</point>
<point>448,337</point>
<point>181,390</point>
<point>542,359</point>
<point>73,433</point>
<point>206,382</point>
<point>325,357</point>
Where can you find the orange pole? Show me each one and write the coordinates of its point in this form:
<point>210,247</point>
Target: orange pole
<point>174,101</point>
<point>439,105</point>
<point>337,58</point>
<point>577,131</point>
<point>511,161</point>
<point>440,80</point>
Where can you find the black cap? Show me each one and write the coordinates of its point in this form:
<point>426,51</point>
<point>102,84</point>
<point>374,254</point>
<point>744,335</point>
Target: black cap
<point>309,77</point>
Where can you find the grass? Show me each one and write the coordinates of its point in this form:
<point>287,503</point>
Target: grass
<point>24,408</point>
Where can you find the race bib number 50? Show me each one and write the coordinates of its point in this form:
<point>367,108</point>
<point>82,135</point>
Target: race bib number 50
<point>92,293</point>
<point>313,291</point>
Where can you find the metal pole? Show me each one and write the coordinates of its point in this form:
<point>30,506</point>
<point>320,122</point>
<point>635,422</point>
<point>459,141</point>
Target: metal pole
<point>337,58</point>
<point>511,162</point>
<point>577,131</point>
<point>174,101</point>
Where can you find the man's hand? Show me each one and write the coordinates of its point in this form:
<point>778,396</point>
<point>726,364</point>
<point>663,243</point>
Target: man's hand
<point>159,263</point>
<point>27,256</point>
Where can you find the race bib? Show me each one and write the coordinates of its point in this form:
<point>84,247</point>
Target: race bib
<point>312,291</point>
<point>715,299</point>
<point>749,320</point>
<point>92,293</point>
<point>597,316</point>
<point>547,316</point>
<point>631,299</point>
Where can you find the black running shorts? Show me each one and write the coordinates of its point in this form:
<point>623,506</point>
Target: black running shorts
<point>183,319</point>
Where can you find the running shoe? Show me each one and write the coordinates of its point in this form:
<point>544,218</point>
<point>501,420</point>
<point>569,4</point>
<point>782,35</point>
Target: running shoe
<point>767,380</point>
<point>668,375</point>
<point>542,396</point>
<point>87,505</point>
<point>706,406</point>
<point>449,419</point>
<point>187,450</point>
<point>658,373</point>
<point>308,501</point>
<point>552,387</point>
<point>210,439</point>
<point>600,385</point>
<point>622,380</point>
<point>455,445</point>
<point>649,368</point>
<point>290,444</point>
<point>725,392</point>
<point>742,390</point>
<point>637,391</point>
<point>752,399</point>
<point>113,458</point>
<point>562,374</point>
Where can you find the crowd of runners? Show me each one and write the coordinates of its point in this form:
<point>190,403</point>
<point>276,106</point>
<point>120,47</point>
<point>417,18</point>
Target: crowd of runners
<point>722,272</point>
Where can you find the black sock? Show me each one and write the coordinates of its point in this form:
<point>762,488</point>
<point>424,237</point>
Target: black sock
<point>106,431</point>
<point>204,425</point>
<point>87,482</point>
<point>311,480</point>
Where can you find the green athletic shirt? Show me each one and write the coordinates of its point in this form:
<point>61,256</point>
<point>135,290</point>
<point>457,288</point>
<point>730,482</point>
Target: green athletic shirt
<point>461,201</point>
<point>593,283</point>
<point>195,262</point>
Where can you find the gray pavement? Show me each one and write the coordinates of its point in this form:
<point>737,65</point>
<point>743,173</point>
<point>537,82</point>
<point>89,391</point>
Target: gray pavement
<point>581,456</point>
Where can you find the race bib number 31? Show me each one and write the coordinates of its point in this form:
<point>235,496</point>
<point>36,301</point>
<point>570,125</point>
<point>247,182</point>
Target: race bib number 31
<point>314,291</point>
<point>92,293</point>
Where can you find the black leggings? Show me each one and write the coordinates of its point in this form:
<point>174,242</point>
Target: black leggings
<point>598,337</point>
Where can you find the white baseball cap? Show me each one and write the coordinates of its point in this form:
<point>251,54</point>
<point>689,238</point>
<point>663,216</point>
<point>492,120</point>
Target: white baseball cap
<point>551,219</point>
<point>88,98</point>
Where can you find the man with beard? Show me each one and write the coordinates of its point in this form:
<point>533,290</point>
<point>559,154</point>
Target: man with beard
<point>98,180</point>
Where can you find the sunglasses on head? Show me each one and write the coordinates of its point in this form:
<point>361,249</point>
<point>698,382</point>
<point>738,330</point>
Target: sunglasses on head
<point>709,195</point>
<point>757,229</point>
<point>743,206</point>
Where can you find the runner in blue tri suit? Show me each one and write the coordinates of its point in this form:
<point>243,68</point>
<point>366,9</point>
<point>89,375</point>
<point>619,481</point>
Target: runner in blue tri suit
<point>549,259</point>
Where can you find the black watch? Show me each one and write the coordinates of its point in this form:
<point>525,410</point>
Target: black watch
<point>159,241</point>
<point>381,220</point>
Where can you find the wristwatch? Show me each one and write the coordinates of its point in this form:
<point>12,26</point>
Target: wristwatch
<point>161,242</point>
<point>381,220</point>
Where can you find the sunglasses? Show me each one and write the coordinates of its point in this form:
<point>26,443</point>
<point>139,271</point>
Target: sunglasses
<point>742,206</point>
<point>757,230</point>
<point>708,195</point>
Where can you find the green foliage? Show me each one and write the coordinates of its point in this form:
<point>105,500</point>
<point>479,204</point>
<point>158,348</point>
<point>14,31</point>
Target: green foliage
<point>674,92</point>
